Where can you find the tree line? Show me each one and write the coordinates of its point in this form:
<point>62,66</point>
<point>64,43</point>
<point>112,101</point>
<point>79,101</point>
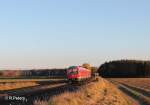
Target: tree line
<point>33,73</point>
<point>125,68</point>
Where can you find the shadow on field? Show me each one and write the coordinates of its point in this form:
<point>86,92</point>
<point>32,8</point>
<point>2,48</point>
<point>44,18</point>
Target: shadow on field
<point>134,95</point>
<point>43,95</point>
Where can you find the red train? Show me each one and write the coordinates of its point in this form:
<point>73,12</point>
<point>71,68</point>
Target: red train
<point>78,73</point>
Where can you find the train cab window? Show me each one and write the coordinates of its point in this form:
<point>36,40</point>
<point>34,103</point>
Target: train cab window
<point>72,71</point>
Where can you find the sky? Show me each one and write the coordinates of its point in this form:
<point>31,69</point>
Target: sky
<point>61,33</point>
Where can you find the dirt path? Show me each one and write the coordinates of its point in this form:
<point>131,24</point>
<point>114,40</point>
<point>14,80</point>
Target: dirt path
<point>139,97</point>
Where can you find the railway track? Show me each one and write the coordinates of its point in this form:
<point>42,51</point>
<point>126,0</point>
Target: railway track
<point>141,96</point>
<point>25,96</point>
<point>41,92</point>
<point>28,95</point>
<point>22,91</point>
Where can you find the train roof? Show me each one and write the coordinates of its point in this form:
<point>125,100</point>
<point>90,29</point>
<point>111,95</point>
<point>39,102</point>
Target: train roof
<point>72,67</point>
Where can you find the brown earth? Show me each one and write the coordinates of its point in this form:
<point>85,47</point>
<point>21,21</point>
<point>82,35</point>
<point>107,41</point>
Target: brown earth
<point>137,82</point>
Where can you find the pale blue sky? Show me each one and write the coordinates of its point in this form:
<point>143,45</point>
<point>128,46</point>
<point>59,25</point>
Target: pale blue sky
<point>60,33</point>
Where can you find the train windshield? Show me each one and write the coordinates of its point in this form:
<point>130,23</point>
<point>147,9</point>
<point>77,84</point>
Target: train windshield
<point>72,71</point>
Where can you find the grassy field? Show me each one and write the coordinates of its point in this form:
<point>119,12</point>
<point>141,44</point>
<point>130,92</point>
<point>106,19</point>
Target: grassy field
<point>25,80</point>
<point>9,84</point>
<point>16,85</point>
<point>95,93</point>
<point>143,83</point>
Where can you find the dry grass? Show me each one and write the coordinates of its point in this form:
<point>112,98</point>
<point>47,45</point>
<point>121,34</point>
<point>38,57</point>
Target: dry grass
<point>98,93</point>
<point>9,84</point>
<point>27,80</point>
<point>137,82</point>
<point>16,85</point>
<point>38,102</point>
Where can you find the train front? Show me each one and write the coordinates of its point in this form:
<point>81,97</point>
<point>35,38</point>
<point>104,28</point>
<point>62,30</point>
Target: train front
<point>73,74</point>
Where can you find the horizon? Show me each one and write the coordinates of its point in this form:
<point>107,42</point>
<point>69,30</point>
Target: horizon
<point>57,34</point>
<point>71,65</point>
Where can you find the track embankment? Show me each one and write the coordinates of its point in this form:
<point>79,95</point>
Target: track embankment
<point>93,93</point>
